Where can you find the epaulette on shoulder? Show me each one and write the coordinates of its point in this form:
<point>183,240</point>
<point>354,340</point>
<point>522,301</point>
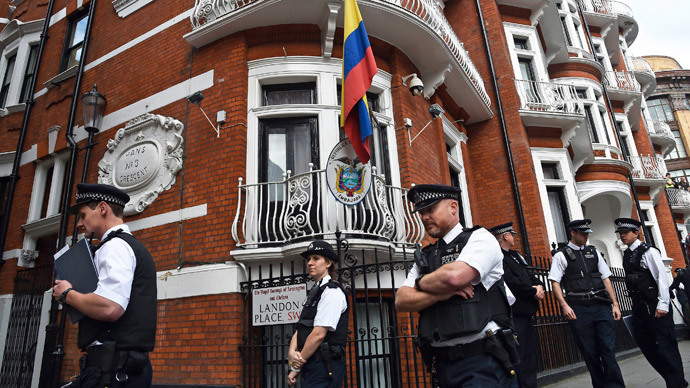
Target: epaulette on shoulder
<point>476,227</point>
<point>426,248</point>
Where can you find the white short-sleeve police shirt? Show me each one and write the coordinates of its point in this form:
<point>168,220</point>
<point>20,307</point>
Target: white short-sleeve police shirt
<point>331,305</point>
<point>559,263</point>
<point>115,263</point>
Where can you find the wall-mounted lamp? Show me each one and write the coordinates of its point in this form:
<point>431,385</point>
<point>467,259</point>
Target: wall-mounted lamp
<point>195,99</point>
<point>435,110</point>
<point>93,106</point>
<point>413,83</point>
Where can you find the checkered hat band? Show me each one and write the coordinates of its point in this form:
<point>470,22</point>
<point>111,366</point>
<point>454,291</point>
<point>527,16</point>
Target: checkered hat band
<point>100,197</point>
<point>626,225</point>
<point>428,195</point>
<point>504,230</point>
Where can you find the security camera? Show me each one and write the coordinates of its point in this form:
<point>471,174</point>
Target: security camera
<point>435,110</point>
<point>414,83</point>
<point>196,98</point>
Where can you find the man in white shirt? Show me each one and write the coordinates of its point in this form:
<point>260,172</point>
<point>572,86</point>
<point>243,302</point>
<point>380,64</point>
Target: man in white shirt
<point>648,286</point>
<point>589,304</point>
<point>467,342</point>
<point>119,327</point>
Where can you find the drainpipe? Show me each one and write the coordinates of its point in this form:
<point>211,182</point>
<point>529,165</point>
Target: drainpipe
<point>501,118</point>
<point>645,229</point>
<point>14,176</point>
<point>58,354</point>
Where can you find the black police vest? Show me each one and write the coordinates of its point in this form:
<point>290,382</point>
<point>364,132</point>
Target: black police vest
<point>458,317</point>
<point>305,325</point>
<point>640,282</point>
<point>582,273</point>
<point>136,328</point>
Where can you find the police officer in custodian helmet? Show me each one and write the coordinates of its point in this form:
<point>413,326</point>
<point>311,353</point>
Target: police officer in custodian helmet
<point>446,284</point>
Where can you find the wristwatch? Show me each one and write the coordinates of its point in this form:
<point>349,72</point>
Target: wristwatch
<point>416,283</point>
<point>63,296</point>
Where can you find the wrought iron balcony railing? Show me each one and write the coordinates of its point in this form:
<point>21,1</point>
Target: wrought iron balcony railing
<point>300,207</point>
<point>427,12</point>
<point>598,6</point>
<point>642,66</point>
<point>620,8</point>
<point>660,129</point>
<point>678,197</point>
<point>548,97</point>
<point>647,167</point>
<point>622,80</point>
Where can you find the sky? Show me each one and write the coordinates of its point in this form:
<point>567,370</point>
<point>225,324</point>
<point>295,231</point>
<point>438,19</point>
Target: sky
<point>664,29</point>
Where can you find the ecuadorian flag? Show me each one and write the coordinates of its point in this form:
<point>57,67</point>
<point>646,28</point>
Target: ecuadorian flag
<point>359,68</point>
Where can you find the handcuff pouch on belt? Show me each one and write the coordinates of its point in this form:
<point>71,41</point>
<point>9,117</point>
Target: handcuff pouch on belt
<point>112,364</point>
<point>327,353</point>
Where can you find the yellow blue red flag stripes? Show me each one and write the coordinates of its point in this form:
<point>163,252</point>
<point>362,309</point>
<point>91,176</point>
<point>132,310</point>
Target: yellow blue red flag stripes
<point>359,68</point>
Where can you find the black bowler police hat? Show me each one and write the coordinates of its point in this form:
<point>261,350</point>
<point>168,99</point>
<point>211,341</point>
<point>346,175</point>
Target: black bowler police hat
<point>581,225</point>
<point>626,224</point>
<point>503,228</point>
<point>322,248</point>
<point>423,196</point>
<point>95,192</point>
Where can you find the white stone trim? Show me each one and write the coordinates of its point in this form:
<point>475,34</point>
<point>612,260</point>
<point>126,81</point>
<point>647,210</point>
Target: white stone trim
<point>209,279</point>
<point>535,53</point>
<point>455,159</point>
<point>11,254</point>
<point>168,218</point>
<point>653,225</point>
<point>125,8</point>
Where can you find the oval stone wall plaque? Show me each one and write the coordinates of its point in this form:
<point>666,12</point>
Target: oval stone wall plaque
<point>143,159</point>
<point>136,165</point>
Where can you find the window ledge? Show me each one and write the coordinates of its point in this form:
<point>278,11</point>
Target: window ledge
<point>69,73</point>
<point>9,109</point>
<point>125,8</point>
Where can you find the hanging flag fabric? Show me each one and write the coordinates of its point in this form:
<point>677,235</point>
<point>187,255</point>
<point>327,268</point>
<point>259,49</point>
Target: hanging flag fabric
<point>359,68</point>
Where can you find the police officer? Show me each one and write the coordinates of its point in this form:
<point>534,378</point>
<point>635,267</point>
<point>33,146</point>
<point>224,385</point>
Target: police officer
<point>317,349</point>
<point>528,291</point>
<point>445,285</point>
<point>590,303</point>
<point>119,327</point>
<point>652,320</point>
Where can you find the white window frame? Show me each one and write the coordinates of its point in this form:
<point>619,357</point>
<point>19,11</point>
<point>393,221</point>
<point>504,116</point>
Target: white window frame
<point>561,158</point>
<point>568,9</point>
<point>455,139</point>
<point>327,74</point>
<point>653,225</point>
<point>17,38</point>
<point>601,53</point>
<point>534,53</point>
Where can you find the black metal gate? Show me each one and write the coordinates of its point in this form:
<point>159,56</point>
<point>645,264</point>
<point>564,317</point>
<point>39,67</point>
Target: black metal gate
<point>22,333</point>
<point>380,347</point>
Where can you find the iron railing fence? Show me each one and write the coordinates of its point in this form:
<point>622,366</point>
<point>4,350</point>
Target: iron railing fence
<point>647,167</point>
<point>557,346</point>
<point>299,207</point>
<point>23,329</point>
<point>678,197</point>
<point>380,346</point>
<point>548,97</point>
<point>622,80</point>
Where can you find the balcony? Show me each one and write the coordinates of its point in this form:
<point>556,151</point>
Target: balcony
<point>679,200</point>
<point>549,104</point>
<point>300,208</point>
<point>626,21</point>
<point>650,167</point>
<point>622,80</point>
<point>418,28</point>
<point>660,134</point>
<point>644,75</point>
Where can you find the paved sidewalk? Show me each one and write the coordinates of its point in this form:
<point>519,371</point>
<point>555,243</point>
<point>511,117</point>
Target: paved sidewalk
<point>637,372</point>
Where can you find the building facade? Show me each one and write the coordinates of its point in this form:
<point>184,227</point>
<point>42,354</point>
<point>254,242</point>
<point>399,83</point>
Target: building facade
<point>219,123</point>
<point>670,111</point>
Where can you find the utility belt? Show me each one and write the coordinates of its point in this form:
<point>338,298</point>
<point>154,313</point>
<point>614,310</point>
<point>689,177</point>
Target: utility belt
<point>114,365</point>
<point>501,344</point>
<point>327,353</point>
<point>588,298</point>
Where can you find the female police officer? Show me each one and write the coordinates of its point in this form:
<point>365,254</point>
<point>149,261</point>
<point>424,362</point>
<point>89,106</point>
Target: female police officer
<point>317,348</point>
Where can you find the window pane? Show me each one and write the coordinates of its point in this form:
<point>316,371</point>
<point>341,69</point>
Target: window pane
<point>302,93</point>
<point>79,31</point>
<point>558,213</point>
<point>550,170</point>
<point>526,69</point>
<point>521,43</point>
<point>7,80</point>
<point>29,73</point>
